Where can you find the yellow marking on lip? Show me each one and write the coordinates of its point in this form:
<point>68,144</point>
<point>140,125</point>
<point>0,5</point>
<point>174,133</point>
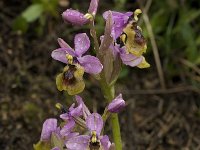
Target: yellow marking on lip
<point>94,137</point>
<point>69,58</point>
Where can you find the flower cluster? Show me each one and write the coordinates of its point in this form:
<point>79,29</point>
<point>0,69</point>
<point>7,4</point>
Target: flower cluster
<point>121,43</point>
<point>79,128</point>
<point>122,26</point>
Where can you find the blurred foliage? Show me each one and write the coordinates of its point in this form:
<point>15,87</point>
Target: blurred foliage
<point>175,24</point>
<point>38,10</point>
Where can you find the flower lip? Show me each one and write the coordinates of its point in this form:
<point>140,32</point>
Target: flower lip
<point>139,38</point>
<point>68,76</point>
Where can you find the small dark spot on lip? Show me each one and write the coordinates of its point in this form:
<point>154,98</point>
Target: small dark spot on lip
<point>94,146</point>
<point>68,76</point>
<point>139,38</point>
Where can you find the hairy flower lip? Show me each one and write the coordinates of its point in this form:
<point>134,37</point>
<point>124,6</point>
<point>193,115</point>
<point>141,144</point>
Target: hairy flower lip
<point>68,76</point>
<point>139,38</point>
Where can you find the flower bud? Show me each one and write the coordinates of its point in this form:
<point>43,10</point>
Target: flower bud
<point>116,105</point>
<point>74,17</point>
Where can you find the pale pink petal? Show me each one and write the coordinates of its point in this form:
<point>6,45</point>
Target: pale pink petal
<point>91,64</point>
<point>67,128</point>
<point>49,126</point>
<point>85,109</point>
<point>82,43</point>
<point>78,143</point>
<point>105,142</point>
<point>120,20</point>
<point>65,116</point>
<point>60,55</point>
<point>63,44</point>
<point>94,122</point>
<point>76,112</point>
<point>131,60</point>
<point>93,7</point>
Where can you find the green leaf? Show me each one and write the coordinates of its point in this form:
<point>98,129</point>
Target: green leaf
<point>20,24</point>
<point>33,12</point>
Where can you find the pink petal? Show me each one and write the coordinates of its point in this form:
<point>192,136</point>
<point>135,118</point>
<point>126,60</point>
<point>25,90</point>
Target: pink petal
<point>76,112</point>
<point>85,110</point>
<point>63,44</point>
<point>60,54</point>
<point>78,143</point>
<point>82,43</point>
<point>91,64</point>
<point>120,21</point>
<point>49,126</point>
<point>94,122</point>
<point>65,116</point>
<point>67,128</point>
<point>131,60</point>
<point>93,7</point>
<point>105,142</point>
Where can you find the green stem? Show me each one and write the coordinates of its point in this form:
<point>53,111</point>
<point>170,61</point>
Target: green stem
<point>109,93</point>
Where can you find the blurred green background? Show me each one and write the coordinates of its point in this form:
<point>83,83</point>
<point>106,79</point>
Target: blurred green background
<point>163,109</point>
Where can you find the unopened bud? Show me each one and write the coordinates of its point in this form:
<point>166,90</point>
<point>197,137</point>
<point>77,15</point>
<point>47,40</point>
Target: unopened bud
<point>117,104</point>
